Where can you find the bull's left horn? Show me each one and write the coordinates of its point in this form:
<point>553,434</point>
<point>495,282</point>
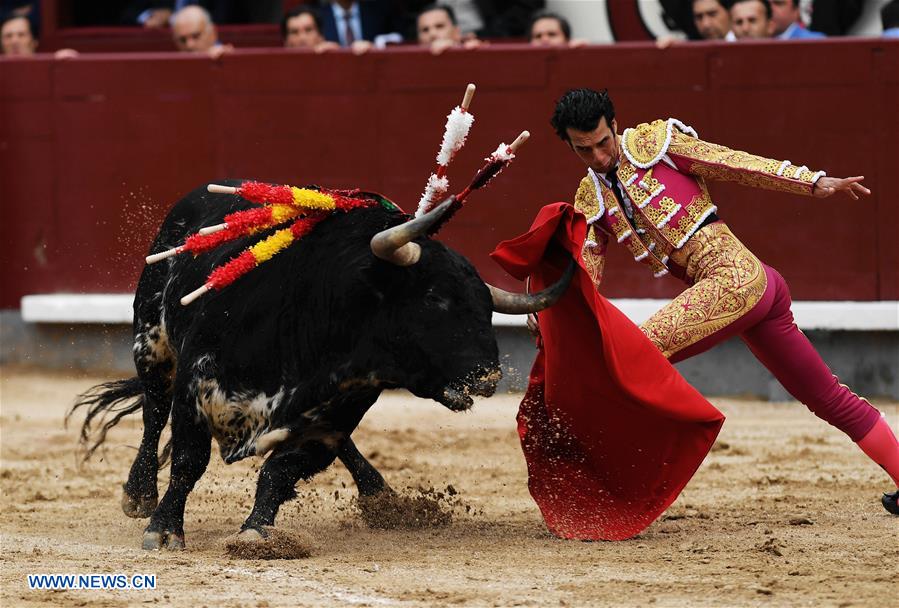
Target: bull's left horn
<point>395,244</point>
<point>521,303</point>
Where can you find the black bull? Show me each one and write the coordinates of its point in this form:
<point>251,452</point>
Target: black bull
<point>289,358</point>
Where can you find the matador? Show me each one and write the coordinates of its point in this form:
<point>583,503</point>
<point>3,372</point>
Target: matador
<point>646,189</point>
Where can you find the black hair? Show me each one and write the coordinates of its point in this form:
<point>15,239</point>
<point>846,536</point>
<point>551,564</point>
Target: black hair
<point>296,12</point>
<point>582,109</point>
<point>13,17</point>
<point>889,14</point>
<point>725,4</point>
<point>765,3</point>
<point>563,23</point>
<point>440,7</point>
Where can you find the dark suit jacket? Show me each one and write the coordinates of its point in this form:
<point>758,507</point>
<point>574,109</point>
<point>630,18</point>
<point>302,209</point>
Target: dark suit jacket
<point>377,17</point>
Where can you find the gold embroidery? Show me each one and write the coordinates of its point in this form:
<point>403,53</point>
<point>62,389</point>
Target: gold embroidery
<point>585,200</point>
<point>626,171</point>
<point>712,161</point>
<point>595,257</point>
<point>753,180</point>
<point>728,282</point>
<point>646,141</point>
<point>678,233</point>
<point>654,241</point>
<point>661,215</point>
<point>638,196</point>
<point>652,186</point>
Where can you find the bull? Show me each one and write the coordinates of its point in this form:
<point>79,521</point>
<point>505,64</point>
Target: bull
<point>287,360</point>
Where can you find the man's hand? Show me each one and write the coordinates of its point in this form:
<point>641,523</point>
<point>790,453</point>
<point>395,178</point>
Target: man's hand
<point>533,326</point>
<point>826,186</point>
<point>158,17</point>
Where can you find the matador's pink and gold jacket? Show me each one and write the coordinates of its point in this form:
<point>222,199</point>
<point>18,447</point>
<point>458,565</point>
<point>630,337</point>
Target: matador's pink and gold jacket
<point>663,166</point>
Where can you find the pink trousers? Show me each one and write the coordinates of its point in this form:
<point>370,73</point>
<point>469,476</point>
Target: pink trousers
<point>771,334</point>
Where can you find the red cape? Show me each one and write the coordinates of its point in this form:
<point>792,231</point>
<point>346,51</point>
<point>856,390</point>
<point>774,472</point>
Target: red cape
<point>610,430</point>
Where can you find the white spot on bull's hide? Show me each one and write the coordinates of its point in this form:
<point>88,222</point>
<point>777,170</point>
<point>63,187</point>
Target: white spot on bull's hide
<point>152,346</point>
<point>236,420</point>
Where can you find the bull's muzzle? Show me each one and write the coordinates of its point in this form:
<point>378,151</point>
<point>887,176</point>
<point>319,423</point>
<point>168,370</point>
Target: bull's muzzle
<point>457,395</point>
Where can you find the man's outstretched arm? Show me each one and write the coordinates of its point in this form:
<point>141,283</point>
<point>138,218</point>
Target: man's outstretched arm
<point>717,162</point>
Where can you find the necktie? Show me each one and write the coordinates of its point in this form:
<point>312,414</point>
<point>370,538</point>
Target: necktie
<point>625,205</point>
<point>348,29</point>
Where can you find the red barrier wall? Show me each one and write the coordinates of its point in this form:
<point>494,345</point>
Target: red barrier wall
<point>94,150</point>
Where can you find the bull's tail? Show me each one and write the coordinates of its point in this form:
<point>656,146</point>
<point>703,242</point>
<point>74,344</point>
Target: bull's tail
<point>106,405</point>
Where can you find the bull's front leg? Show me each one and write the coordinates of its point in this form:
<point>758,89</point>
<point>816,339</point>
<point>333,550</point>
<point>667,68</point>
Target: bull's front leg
<point>368,480</point>
<point>277,478</point>
<point>191,443</point>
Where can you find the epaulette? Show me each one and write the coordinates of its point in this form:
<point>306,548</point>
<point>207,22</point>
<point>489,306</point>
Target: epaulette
<point>646,144</point>
<point>588,200</point>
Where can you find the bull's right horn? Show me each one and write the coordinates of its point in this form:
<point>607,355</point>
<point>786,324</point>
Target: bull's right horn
<point>395,244</point>
<point>521,303</point>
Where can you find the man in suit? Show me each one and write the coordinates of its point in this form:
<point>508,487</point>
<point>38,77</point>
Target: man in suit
<point>194,32</point>
<point>358,24</point>
<point>787,21</point>
<point>751,19</point>
<point>301,28</point>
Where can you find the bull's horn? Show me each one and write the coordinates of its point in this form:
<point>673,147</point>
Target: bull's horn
<point>520,303</point>
<point>395,244</point>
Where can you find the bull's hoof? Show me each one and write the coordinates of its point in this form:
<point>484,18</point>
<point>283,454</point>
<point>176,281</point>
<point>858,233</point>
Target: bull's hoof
<point>251,535</point>
<point>155,541</point>
<point>268,543</point>
<point>139,507</point>
<point>891,502</point>
<point>388,510</point>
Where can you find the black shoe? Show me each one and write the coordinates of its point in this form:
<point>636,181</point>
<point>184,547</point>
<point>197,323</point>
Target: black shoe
<point>891,502</point>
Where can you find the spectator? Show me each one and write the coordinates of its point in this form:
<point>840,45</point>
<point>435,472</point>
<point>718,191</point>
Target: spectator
<point>16,37</point>
<point>18,40</point>
<point>751,19</point>
<point>437,29</point>
<point>788,23</point>
<point>157,13</point>
<point>889,17</point>
<point>712,20</point>
<point>487,18</point>
<point>551,29</point>
<point>301,28</point>
<point>194,32</point>
<point>359,25</point>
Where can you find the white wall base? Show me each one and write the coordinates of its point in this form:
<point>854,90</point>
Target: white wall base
<point>117,308</point>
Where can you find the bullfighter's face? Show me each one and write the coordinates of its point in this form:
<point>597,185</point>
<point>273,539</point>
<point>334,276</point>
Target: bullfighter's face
<point>598,149</point>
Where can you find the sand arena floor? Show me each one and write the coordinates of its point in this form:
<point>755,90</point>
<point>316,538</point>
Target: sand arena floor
<point>784,512</point>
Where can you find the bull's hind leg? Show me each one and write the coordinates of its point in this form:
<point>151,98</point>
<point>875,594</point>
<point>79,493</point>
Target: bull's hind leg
<point>190,454</point>
<point>139,497</point>
<point>155,362</point>
<point>277,479</point>
<point>368,480</point>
